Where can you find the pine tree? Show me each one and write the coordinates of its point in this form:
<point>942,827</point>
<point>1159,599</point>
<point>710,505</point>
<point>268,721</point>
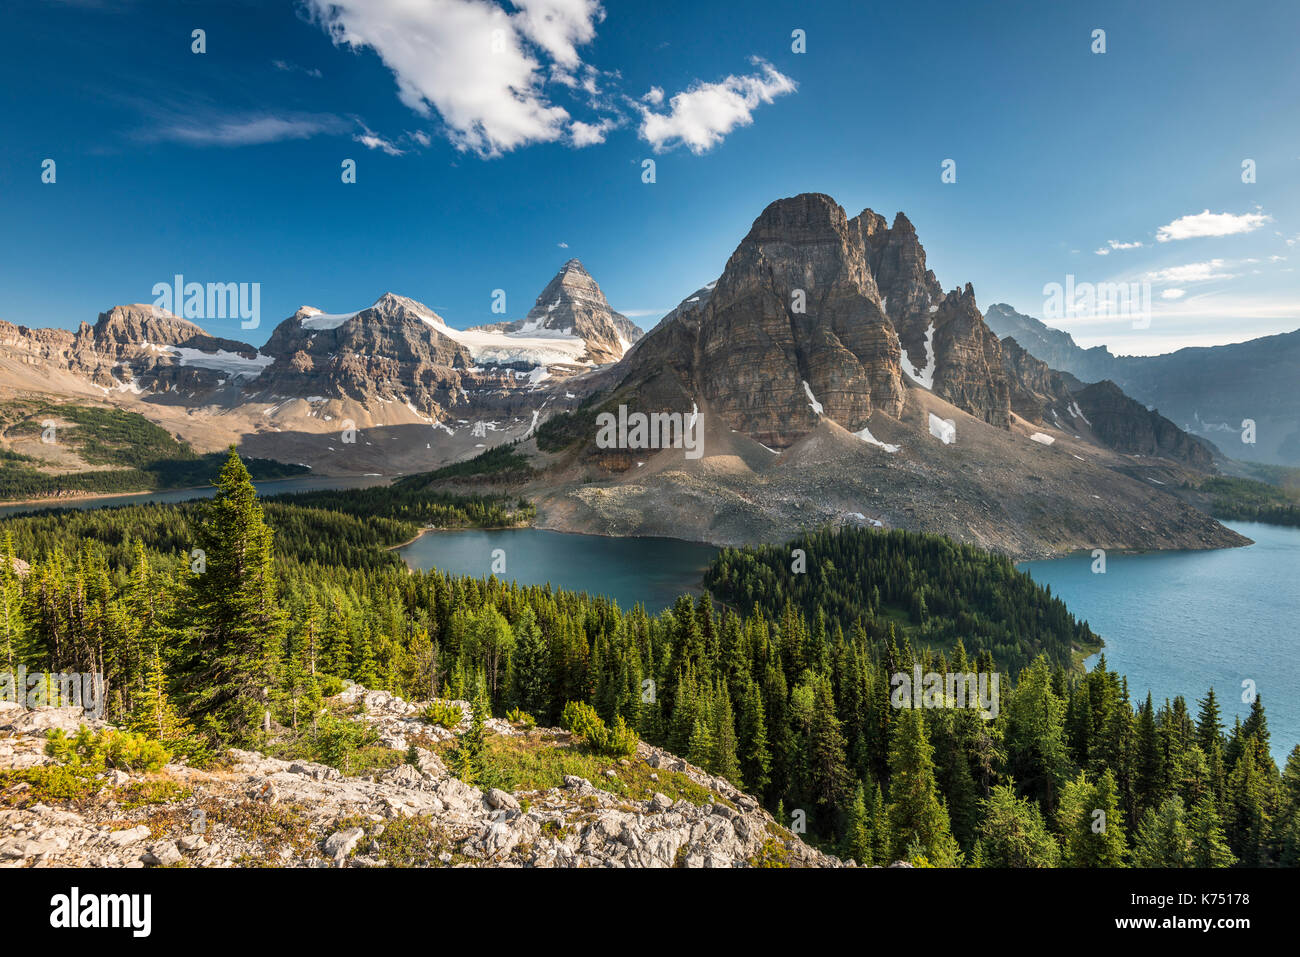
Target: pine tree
<point>1209,726</point>
<point>238,625</point>
<point>756,759</point>
<point>1207,845</point>
<point>1012,833</point>
<point>858,839</point>
<point>724,762</point>
<point>531,667</point>
<point>917,817</point>
<point>468,756</point>
<point>1090,823</point>
<point>1162,839</point>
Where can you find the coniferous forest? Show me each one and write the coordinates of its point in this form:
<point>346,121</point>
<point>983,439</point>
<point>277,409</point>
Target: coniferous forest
<point>216,621</point>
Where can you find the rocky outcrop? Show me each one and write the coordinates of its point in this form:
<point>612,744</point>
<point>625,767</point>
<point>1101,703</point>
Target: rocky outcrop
<point>258,810</point>
<point>793,329</point>
<point>1206,390</point>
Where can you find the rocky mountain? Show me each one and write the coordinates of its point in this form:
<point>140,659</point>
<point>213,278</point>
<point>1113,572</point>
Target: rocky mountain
<point>650,810</point>
<point>137,349</point>
<point>837,384</point>
<point>1053,346</point>
<point>1127,426</point>
<point>1209,391</point>
<point>799,326</point>
<point>394,362</point>
<point>393,351</point>
<point>948,348</point>
<point>572,305</point>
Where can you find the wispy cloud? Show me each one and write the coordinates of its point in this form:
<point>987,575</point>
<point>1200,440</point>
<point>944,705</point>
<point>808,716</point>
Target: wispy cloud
<point>286,67</point>
<point>246,129</point>
<point>702,115</point>
<point>1206,223</point>
<point>1192,272</point>
<point>1116,244</point>
<point>374,141</point>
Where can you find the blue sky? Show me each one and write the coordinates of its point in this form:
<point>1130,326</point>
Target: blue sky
<point>482,168</point>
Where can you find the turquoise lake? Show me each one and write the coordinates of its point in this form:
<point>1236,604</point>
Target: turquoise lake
<point>1179,622</point>
<point>1173,622</point>
<point>652,571</point>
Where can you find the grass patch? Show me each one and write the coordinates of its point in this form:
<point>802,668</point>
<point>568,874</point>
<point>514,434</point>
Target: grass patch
<point>48,784</point>
<point>403,842</point>
<point>538,764</point>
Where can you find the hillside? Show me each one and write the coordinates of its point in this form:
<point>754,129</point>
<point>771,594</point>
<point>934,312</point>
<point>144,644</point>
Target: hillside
<point>403,808</point>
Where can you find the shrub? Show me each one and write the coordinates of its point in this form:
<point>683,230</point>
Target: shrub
<point>108,748</point>
<point>444,714</point>
<point>617,742</point>
<point>582,720</point>
<point>329,685</point>
<point>516,716</point>
<point>339,741</point>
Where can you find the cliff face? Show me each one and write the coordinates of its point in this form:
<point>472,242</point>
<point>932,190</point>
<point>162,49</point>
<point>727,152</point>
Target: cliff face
<point>1038,393</point>
<point>139,349</point>
<point>1127,426</point>
<point>817,315</point>
<point>795,322</point>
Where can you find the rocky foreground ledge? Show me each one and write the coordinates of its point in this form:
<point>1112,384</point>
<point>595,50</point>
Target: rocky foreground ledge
<point>252,810</point>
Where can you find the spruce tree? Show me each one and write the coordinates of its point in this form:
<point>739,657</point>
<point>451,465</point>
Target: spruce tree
<point>232,601</point>
<point>917,817</point>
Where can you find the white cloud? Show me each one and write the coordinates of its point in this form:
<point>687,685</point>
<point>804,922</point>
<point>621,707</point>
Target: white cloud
<point>1192,272</point>
<point>559,26</point>
<point>589,134</point>
<point>563,245</point>
<point>1206,223</point>
<point>1173,294</point>
<point>1103,251</point>
<point>488,69</point>
<point>421,137</point>
<point>702,115</point>
<point>467,59</point>
<point>284,67</point>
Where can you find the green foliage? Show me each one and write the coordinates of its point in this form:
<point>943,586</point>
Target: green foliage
<point>561,431</point>
<point>581,719</point>
<point>106,749</point>
<point>936,590</point>
<point>443,713</point>
<point>515,716</point>
<point>341,743</point>
<point>1251,501</point>
<point>502,463</point>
